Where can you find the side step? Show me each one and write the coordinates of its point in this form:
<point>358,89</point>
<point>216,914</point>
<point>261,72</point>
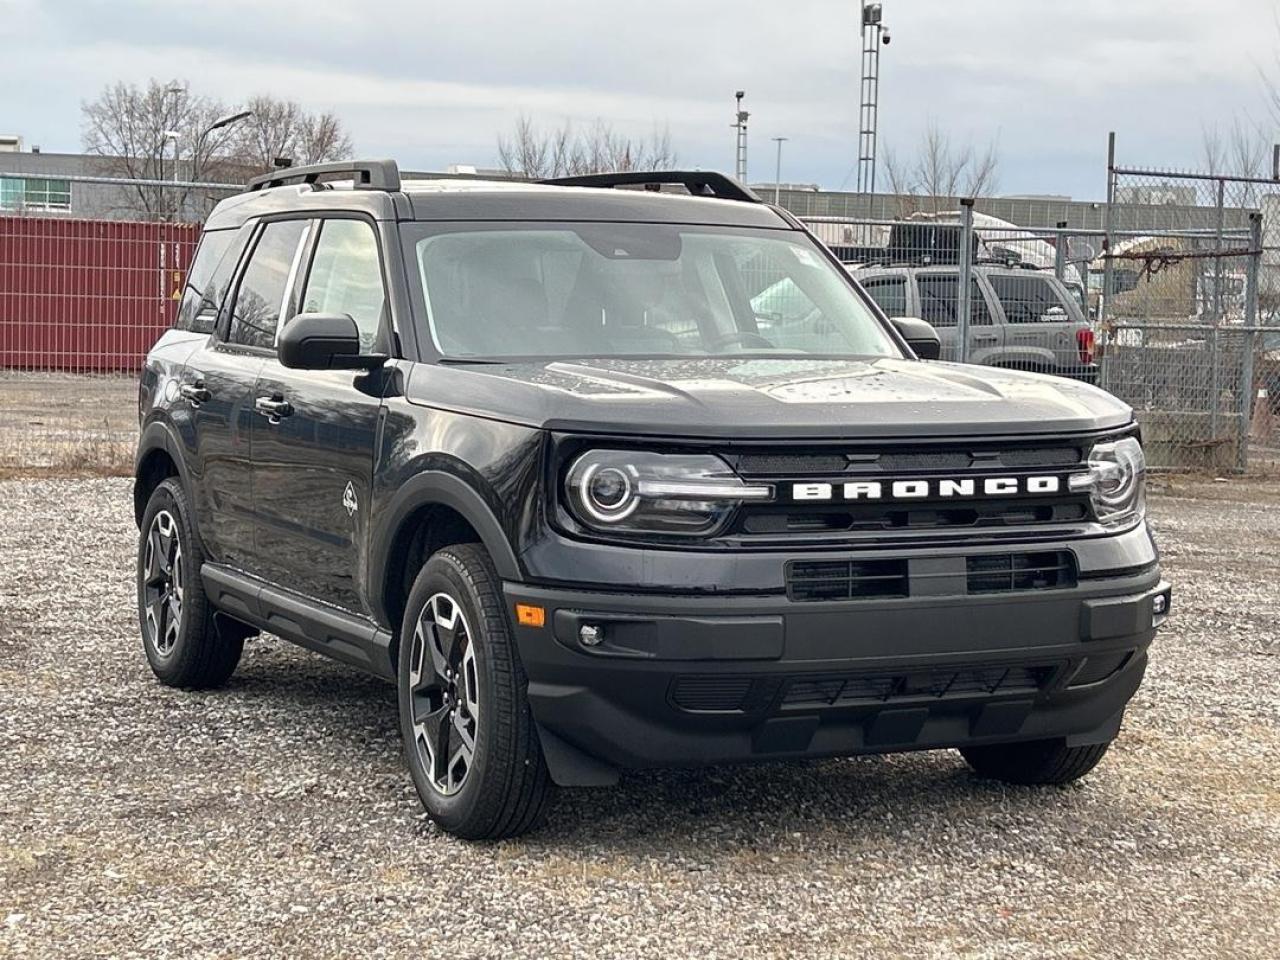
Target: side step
<point>301,620</point>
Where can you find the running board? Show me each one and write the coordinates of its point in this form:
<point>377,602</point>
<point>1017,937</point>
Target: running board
<point>301,620</point>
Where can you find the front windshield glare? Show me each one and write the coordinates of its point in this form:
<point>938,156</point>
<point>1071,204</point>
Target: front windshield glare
<point>605,290</point>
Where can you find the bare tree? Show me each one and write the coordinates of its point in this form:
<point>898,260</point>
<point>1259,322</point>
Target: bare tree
<point>164,132</point>
<point>534,153</point>
<point>160,132</point>
<point>283,129</point>
<point>939,169</point>
<point>1239,151</point>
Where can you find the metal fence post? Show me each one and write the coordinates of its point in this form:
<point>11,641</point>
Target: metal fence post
<point>1215,385</point>
<point>1104,299</point>
<point>1250,334</point>
<point>965,280</point>
<point>1060,251</point>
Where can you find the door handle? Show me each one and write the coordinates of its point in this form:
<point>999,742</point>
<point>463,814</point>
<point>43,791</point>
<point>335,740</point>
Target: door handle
<point>195,393</point>
<point>273,408</point>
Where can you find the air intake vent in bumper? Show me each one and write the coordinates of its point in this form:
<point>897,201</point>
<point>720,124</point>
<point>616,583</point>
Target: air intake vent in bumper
<point>1008,572</point>
<point>846,579</point>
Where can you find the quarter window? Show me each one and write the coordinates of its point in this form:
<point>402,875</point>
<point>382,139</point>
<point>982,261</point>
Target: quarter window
<point>259,299</point>
<point>346,278</point>
<point>1027,299</point>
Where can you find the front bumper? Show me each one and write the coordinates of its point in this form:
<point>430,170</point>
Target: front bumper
<point>695,680</point>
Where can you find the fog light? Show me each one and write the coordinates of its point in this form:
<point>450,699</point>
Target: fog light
<point>1159,605</point>
<point>591,635</point>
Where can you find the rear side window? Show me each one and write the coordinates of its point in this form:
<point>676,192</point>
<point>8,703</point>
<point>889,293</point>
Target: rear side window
<point>207,279</point>
<point>938,300</point>
<point>259,299</point>
<point>890,293</point>
<point>1028,299</point>
<point>346,277</point>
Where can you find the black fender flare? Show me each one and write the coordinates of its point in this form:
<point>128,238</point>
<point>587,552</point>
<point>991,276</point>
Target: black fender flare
<point>432,487</point>
<point>158,435</point>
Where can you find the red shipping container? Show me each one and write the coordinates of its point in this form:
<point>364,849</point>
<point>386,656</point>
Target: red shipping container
<point>88,295</point>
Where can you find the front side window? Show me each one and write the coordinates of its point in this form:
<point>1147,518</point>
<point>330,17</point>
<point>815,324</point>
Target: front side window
<point>1028,299</point>
<point>259,298</point>
<point>346,277</point>
<point>640,290</point>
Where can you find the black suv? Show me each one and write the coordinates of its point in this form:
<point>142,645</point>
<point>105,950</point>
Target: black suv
<point>553,459</point>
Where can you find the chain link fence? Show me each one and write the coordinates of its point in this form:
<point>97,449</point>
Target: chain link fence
<point>1187,311</point>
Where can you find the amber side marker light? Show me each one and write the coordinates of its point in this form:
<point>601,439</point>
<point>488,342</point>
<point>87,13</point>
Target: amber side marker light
<point>527,615</point>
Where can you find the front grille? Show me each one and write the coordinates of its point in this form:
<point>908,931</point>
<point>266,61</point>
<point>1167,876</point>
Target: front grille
<point>951,682</point>
<point>811,580</point>
<point>1009,572</point>
<point>788,519</point>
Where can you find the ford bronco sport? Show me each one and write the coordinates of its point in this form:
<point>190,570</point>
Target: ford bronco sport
<point>540,455</point>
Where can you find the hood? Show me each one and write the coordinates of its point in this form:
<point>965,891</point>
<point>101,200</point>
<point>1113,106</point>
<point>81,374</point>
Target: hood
<point>727,398</point>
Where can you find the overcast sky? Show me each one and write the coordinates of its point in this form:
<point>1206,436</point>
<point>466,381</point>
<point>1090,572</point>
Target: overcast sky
<point>433,83</point>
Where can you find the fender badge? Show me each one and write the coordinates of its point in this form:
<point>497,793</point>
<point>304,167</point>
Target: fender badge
<point>349,501</point>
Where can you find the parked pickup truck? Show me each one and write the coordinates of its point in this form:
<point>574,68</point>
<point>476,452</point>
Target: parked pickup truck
<point>604,476</point>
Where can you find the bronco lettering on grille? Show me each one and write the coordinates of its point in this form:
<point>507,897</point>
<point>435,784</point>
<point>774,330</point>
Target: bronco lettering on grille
<point>926,489</point>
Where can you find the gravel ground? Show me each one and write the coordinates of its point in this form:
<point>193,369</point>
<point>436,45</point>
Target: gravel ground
<point>273,818</point>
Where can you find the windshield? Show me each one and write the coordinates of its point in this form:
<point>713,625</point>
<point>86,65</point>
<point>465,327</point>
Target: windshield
<point>604,290</point>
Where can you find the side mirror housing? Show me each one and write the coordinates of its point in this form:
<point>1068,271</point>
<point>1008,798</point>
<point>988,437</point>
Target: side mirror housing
<point>920,336</point>
<point>323,341</point>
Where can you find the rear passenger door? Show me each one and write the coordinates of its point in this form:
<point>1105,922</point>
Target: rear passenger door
<point>939,304</point>
<point>218,381</point>
<point>313,456</point>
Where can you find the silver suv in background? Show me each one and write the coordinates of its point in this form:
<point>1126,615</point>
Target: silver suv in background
<point>1020,318</point>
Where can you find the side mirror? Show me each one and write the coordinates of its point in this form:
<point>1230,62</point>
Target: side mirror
<point>920,336</point>
<point>324,341</point>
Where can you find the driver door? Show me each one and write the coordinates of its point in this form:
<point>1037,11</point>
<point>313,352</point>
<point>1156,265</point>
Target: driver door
<point>316,431</point>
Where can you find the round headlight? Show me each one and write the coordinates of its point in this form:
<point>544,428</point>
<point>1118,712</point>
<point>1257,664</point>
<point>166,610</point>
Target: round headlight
<point>608,492</point>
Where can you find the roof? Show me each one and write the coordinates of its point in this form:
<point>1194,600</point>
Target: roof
<point>383,195</point>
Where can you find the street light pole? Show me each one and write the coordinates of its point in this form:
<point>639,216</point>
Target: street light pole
<point>777,171</point>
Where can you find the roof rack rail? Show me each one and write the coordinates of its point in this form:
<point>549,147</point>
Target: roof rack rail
<point>700,183</point>
<point>366,175</point>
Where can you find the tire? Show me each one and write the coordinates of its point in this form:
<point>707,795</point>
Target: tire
<point>1035,762</point>
<point>180,635</point>
<point>469,736</point>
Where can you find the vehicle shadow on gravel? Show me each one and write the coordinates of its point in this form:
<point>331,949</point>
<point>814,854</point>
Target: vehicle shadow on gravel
<point>716,811</point>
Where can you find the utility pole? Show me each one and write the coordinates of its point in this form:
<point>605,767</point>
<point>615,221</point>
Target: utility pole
<point>740,124</point>
<point>777,171</point>
<point>873,35</point>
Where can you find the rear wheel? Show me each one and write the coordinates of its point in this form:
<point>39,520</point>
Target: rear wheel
<point>1034,762</point>
<point>180,634</point>
<point>469,737</point>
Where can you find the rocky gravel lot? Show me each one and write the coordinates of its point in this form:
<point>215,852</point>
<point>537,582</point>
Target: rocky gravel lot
<point>273,818</point>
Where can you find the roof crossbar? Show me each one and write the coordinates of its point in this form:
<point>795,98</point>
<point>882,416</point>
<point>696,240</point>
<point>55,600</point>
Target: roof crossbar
<point>365,175</point>
<point>700,183</point>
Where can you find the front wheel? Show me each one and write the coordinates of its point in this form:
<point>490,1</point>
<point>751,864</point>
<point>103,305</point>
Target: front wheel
<point>469,737</point>
<point>1034,762</point>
